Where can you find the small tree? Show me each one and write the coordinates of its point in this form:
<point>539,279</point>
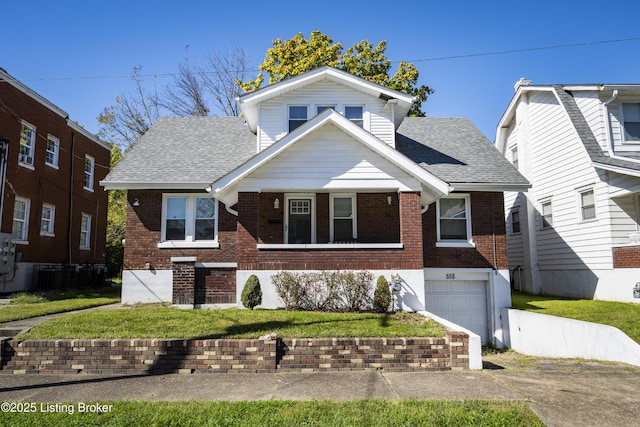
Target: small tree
<point>251,293</point>
<point>382,296</point>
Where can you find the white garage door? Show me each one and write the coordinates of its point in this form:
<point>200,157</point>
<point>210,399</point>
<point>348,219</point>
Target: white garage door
<point>463,302</point>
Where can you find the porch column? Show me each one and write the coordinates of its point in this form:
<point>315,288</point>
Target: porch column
<point>411,228</point>
<point>248,206</point>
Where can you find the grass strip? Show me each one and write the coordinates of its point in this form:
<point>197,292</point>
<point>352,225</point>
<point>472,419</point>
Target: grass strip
<point>26,306</point>
<point>370,412</point>
<point>624,316</point>
<point>166,322</point>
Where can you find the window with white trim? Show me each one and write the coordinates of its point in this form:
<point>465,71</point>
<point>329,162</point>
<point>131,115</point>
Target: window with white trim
<point>297,116</point>
<point>515,221</point>
<point>321,108</point>
<point>189,218</point>
<point>20,226</point>
<point>454,219</point>
<point>355,113</point>
<point>27,144</point>
<point>546,214</point>
<point>89,168</point>
<point>631,119</point>
<point>85,231</point>
<point>514,157</point>
<point>52,153</point>
<point>587,204</point>
<point>343,224</point>
<point>47,220</point>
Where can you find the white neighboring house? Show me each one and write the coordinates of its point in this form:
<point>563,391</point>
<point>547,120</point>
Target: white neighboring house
<point>575,232</point>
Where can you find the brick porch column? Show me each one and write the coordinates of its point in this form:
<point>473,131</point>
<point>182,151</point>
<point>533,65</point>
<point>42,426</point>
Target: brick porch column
<point>184,280</point>
<point>248,206</point>
<point>411,228</point>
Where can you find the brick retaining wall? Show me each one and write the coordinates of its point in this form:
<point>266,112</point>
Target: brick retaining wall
<point>157,356</point>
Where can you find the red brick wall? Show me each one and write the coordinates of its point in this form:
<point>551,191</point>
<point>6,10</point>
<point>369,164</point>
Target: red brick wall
<point>46,184</point>
<point>488,233</point>
<point>250,258</point>
<point>626,257</point>
<point>215,286</point>
<point>143,232</point>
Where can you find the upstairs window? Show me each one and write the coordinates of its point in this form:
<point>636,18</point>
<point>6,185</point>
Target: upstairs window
<point>355,114</point>
<point>515,222</point>
<point>27,144</point>
<point>587,205</point>
<point>53,148</point>
<point>631,117</point>
<point>514,157</point>
<point>546,214</point>
<point>454,219</point>
<point>297,116</point>
<point>321,108</point>
<point>89,165</point>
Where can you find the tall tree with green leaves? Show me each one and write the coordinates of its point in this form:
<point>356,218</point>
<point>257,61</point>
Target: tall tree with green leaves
<point>298,55</point>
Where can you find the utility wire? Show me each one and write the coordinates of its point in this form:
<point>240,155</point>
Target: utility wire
<point>441,58</point>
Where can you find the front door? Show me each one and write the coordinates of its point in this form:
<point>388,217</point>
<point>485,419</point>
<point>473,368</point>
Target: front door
<point>299,221</point>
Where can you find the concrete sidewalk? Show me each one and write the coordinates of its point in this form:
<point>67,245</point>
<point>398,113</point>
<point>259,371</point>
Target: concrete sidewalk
<point>561,395</point>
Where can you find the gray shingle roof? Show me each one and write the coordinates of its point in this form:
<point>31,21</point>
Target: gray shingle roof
<point>184,150</point>
<point>193,152</point>
<point>454,150</point>
<point>587,137</point>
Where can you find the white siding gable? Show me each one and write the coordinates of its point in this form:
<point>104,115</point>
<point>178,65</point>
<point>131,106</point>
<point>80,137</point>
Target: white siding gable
<point>273,113</point>
<point>329,159</point>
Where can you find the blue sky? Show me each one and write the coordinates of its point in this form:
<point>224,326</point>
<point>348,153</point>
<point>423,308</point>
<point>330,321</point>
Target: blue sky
<point>78,54</point>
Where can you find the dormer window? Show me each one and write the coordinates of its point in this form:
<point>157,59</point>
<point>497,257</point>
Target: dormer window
<point>297,116</point>
<point>631,115</point>
<point>355,114</point>
<point>321,108</point>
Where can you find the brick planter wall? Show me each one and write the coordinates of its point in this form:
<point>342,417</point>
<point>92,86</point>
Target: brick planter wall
<point>626,257</point>
<point>159,356</point>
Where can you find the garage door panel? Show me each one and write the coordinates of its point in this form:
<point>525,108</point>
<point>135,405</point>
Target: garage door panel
<point>461,302</point>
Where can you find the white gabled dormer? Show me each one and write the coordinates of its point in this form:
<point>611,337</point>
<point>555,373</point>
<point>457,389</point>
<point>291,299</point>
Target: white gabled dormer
<point>274,111</point>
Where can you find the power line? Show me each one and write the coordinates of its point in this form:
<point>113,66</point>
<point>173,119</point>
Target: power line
<point>441,58</point>
<point>504,52</point>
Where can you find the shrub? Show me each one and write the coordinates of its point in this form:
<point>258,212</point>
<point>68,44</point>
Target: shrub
<point>290,290</point>
<point>251,293</point>
<point>326,291</point>
<point>382,296</point>
<point>355,290</point>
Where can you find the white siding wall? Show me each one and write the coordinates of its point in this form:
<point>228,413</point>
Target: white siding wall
<point>513,201</point>
<point>617,131</point>
<point>273,121</point>
<point>561,166</point>
<point>329,159</point>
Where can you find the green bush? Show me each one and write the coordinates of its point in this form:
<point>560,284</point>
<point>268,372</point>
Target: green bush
<point>251,293</point>
<point>325,291</point>
<point>381,296</point>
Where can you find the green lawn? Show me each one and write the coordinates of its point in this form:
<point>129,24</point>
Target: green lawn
<point>624,316</point>
<point>26,305</point>
<point>167,322</point>
<point>368,412</point>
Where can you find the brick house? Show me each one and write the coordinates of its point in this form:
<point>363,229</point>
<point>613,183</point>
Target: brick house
<point>52,205</point>
<point>322,172</point>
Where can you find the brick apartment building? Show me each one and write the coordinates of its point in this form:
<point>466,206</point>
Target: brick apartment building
<point>51,204</point>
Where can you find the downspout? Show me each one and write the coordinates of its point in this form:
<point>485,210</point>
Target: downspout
<point>4,148</point>
<point>607,123</point>
<point>70,216</point>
